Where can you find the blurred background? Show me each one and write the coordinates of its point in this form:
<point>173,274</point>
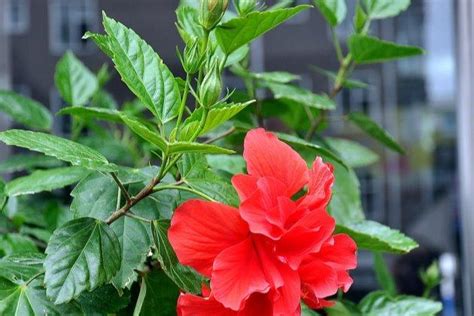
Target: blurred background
<point>421,101</point>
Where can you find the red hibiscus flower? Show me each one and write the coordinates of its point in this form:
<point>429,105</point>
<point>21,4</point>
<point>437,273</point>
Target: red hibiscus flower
<point>274,247</point>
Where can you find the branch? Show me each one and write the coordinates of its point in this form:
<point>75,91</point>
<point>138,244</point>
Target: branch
<point>121,186</point>
<point>220,136</point>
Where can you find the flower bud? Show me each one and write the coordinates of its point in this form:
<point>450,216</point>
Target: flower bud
<point>244,7</point>
<point>193,58</point>
<point>212,12</point>
<point>211,86</point>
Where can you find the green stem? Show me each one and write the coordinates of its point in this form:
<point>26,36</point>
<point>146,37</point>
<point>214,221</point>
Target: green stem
<point>337,45</point>
<point>34,277</point>
<point>121,186</point>
<point>182,188</point>
<point>183,102</point>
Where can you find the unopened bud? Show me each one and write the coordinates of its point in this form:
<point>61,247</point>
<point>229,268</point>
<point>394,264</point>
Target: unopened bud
<point>193,58</point>
<point>212,12</point>
<point>211,86</point>
<point>244,7</point>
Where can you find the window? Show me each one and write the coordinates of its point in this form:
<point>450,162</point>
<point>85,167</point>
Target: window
<point>69,20</point>
<point>17,17</point>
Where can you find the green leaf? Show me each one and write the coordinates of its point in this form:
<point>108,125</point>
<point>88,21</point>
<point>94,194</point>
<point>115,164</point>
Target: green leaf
<point>360,19</point>
<point>189,26</point>
<point>366,124</point>
<point>76,84</point>
<point>242,30</point>
<point>92,113</point>
<point>381,9</point>
<point>21,299</point>
<point>25,111</point>
<point>143,71</point>
<point>377,237</point>
<point>306,311</point>
<point>161,294</point>
<point>103,301</point>
<point>348,83</point>
<point>367,50</point>
<point>63,149</point>
<point>45,180</point>
<point>27,162</point>
<point>3,195</point>
<point>334,11</point>
<point>380,303</point>
<point>13,244</point>
<point>343,308</point>
<point>188,147</point>
<point>144,132</point>
<point>232,164</point>
<point>272,76</point>
<point>301,96</point>
<point>296,141</point>
<point>81,255</point>
<point>102,41</point>
<point>184,277</point>
<point>383,275</point>
<point>21,267</point>
<point>352,153</point>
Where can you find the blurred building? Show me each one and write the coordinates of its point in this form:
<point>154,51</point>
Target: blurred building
<point>414,99</point>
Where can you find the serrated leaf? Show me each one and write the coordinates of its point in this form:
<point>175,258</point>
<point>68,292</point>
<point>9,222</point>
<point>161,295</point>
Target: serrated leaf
<point>366,124</point>
<point>27,162</point>
<point>74,81</point>
<point>380,303</point>
<point>301,96</point>
<point>45,180</point>
<point>21,267</point>
<point>242,30</point>
<point>81,255</point>
<point>353,154</point>
<point>63,149</point>
<point>367,49</point>
<point>271,76</point>
<point>334,11</point>
<point>383,275</point>
<point>377,237</point>
<point>25,111</point>
<point>92,113</point>
<point>143,71</point>
<point>144,132</point>
<point>381,9</point>
<point>184,277</point>
<point>188,147</point>
<point>30,300</point>
<point>102,41</point>
<point>103,301</point>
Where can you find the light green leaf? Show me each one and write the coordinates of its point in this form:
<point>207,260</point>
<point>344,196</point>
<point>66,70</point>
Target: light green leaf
<point>15,244</point>
<point>92,113</point>
<point>102,41</point>
<point>377,237</point>
<point>143,71</point>
<point>25,111</point>
<point>272,76</point>
<point>63,149</point>
<point>45,180</point>
<point>184,277</point>
<point>21,267</point>
<point>367,50</point>
<point>301,96</point>
<point>189,26</point>
<point>103,301</point>
<point>81,255</point>
<point>352,153</point>
<point>19,299</point>
<point>380,303</point>
<point>27,162</point>
<point>348,83</point>
<point>366,124</point>
<point>144,132</point>
<point>242,30</point>
<point>383,275</point>
<point>334,11</point>
<point>188,147</point>
<point>75,83</point>
<point>232,164</point>
<point>381,9</point>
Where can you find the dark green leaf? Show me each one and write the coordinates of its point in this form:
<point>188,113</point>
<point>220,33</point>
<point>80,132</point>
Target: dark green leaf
<point>184,277</point>
<point>301,96</point>
<point>143,71</point>
<point>25,111</point>
<point>161,295</point>
<point>381,9</point>
<point>45,180</point>
<point>74,81</point>
<point>380,303</point>
<point>352,153</point>
<point>63,149</point>
<point>334,11</point>
<point>21,267</point>
<point>377,237</point>
<point>103,301</point>
<point>92,113</point>
<point>27,162</point>
<point>242,30</point>
<point>81,255</point>
<point>366,124</point>
<point>384,277</point>
<point>144,132</point>
<point>367,49</point>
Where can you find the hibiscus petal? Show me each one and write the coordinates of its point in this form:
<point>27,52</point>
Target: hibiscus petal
<point>237,273</point>
<point>201,230</point>
<point>318,278</point>
<point>341,253</point>
<point>287,297</point>
<point>321,179</point>
<point>267,156</point>
<point>258,304</point>
<point>192,305</point>
<point>245,185</point>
